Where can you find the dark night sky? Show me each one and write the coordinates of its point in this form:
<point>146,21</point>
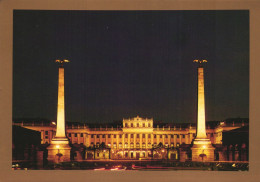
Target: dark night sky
<point>128,63</point>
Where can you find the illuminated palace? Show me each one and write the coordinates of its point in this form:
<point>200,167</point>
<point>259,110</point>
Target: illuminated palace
<point>138,137</point>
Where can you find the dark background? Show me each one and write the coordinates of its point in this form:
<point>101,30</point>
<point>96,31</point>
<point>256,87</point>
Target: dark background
<point>128,63</point>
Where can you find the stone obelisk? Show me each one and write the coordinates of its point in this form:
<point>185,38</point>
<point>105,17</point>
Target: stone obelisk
<point>59,149</point>
<point>202,149</point>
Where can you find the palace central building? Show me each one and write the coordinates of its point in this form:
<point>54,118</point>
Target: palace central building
<point>134,138</point>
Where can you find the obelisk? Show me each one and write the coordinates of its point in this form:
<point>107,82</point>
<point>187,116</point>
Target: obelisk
<point>59,149</point>
<point>202,149</point>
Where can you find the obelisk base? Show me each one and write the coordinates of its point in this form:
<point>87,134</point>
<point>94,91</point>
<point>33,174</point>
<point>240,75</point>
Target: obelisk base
<point>59,150</point>
<point>202,150</point>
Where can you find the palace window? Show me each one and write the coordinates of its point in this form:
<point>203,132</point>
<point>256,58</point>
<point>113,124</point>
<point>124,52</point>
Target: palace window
<point>137,124</point>
<point>46,137</point>
<point>75,134</point>
<point>171,136</point>
<point>132,145</point>
<point>97,136</point>
<point>194,135</point>
<point>46,132</point>
<point>126,125</point>
<point>109,136</point>
<point>97,154</point>
<point>143,124</point>
<point>114,145</point>
<point>120,136</point>
<point>114,136</point>
<point>143,135</point>
<point>154,136</point>
<point>143,154</point>
<point>137,145</point>
<point>126,135</point>
<point>126,145</point>
<point>137,135</point>
<point>183,136</point>
<point>132,125</point>
<point>160,136</point>
<point>69,134</point>
<point>104,136</point>
<point>92,136</point>
<point>81,134</point>
<point>211,134</point>
<point>120,145</point>
<point>149,124</point>
<point>178,136</point>
<point>132,135</point>
<point>143,145</point>
<point>149,135</point>
<point>166,136</point>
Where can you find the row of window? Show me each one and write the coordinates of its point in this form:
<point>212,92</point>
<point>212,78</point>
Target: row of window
<point>137,125</point>
<point>131,136</point>
<point>149,145</point>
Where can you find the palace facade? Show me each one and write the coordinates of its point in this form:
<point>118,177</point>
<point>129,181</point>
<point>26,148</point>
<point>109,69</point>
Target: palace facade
<point>134,138</point>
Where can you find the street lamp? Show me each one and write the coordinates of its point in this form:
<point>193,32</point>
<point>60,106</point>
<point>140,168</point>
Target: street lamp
<point>58,147</point>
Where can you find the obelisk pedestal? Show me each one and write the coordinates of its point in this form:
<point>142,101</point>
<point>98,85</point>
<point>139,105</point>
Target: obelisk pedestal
<point>59,149</point>
<point>202,149</point>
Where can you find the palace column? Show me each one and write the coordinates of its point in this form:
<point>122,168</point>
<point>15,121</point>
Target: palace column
<point>202,149</point>
<point>60,143</point>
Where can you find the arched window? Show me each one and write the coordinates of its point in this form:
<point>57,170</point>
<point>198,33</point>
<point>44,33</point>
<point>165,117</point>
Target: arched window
<point>114,145</point>
<point>97,144</point>
<point>126,145</point>
<point>120,145</point>
<point>137,145</point>
<point>143,145</point>
<point>132,145</point>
